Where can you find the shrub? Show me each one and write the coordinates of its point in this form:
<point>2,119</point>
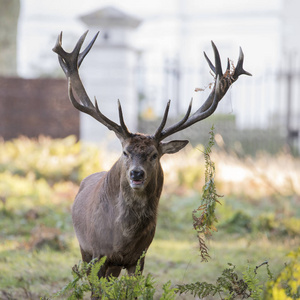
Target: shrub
<point>85,280</point>
<point>228,285</point>
<point>287,283</point>
<point>52,159</point>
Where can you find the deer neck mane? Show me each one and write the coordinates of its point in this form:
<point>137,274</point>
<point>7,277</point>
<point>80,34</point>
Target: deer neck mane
<point>135,206</point>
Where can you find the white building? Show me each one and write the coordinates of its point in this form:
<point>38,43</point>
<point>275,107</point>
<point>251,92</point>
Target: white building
<point>179,31</point>
<point>108,71</point>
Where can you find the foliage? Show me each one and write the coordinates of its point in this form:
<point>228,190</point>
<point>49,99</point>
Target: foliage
<point>229,285</point>
<point>45,157</point>
<point>85,279</point>
<point>272,224</point>
<point>258,219</point>
<point>204,217</point>
<point>240,222</point>
<point>287,283</point>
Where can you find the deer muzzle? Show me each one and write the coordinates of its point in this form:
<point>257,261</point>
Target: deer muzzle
<point>137,178</point>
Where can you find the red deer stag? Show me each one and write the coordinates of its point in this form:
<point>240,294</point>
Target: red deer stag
<point>114,213</point>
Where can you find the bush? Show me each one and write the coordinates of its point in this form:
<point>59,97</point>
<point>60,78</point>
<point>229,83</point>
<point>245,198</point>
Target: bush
<point>85,280</point>
<point>229,285</point>
<point>240,223</point>
<point>52,159</point>
<point>38,182</point>
<point>287,283</point>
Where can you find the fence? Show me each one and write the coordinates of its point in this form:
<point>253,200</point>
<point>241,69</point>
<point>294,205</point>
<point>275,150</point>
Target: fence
<point>258,113</point>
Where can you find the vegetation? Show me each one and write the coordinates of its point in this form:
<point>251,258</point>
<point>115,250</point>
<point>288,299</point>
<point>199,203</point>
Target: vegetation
<point>258,221</point>
<point>85,279</point>
<point>204,217</point>
<point>229,285</point>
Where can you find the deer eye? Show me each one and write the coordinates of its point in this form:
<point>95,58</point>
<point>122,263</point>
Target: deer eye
<point>125,153</point>
<point>154,156</point>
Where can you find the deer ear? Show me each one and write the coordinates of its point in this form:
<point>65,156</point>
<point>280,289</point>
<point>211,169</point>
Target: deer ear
<point>172,146</point>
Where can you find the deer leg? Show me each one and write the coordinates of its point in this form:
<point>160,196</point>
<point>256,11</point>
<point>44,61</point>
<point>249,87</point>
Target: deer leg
<point>113,271</point>
<point>96,292</point>
<point>132,269</point>
<point>86,257</point>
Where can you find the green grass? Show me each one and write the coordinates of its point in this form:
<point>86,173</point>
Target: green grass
<point>37,243</point>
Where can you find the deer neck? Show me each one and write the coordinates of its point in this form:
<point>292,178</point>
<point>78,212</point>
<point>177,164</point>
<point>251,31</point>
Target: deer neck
<point>135,211</point>
<point>141,202</point>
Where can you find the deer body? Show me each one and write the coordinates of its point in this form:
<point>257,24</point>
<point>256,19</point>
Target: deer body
<point>115,223</point>
<point>114,213</point>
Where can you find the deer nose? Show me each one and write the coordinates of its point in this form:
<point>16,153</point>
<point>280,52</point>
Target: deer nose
<point>137,174</point>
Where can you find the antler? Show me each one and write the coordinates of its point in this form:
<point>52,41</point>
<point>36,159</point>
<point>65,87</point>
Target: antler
<point>70,63</point>
<point>222,84</point>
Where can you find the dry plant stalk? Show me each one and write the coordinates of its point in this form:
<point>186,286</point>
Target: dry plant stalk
<point>204,216</point>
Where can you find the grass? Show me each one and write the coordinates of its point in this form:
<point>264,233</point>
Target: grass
<point>259,218</point>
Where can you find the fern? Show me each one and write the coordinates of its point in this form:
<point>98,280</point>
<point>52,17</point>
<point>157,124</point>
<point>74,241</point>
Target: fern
<point>97,285</point>
<point>95,268</point>
<point>204,217</point>
<point>168,292</point>
<point>82,274</point>
<point>199,289</point>
<point>85,279</point>
<point>252,282</point>
<point>229,285</point>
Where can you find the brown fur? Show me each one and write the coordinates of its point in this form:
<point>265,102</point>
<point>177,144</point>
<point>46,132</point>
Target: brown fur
<point>113,219</point>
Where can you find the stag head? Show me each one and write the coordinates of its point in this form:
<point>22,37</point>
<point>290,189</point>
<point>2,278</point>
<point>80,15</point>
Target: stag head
<point>141,158</point>
<point>141,153</point>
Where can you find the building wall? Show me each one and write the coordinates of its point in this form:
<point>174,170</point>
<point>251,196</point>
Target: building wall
<point>290,26</point>
<point>34,107</point>
<point>108,75</point>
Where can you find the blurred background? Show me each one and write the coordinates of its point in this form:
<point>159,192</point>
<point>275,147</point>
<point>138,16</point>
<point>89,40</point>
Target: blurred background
<point>147,53</point>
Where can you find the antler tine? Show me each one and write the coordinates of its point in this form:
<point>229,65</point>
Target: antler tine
<point>217,69</point>
<point>70,63</point>
<point>212,67</point>
<point>160,135</point>
<point>57,48</point>
<point>109,123</point>
<point>194,118</point>
<point>122,123</point>
<point>62,54</point>
<point>218,64</point>
<point>228,65</point>
<point>239,67</point>
<point>222,84</point>
<point>87,49</point>
<point>78,45</point>
<point>164,120</point>
<point>95,113</point>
